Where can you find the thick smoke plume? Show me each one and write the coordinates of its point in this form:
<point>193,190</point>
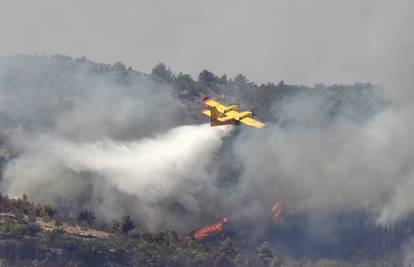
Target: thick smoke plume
<point>171,166</point>
<point>110,140</point>
<point>322,163</point>
<point>313,160</point>
<point>106,139</point>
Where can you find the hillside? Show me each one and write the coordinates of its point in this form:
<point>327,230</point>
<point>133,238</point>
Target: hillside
<point>124,169</point>
<point>37,235</point>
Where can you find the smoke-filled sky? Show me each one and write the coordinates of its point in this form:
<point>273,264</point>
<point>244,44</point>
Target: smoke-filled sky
<point>114,142</point>
<point>299,41</point>
<point>105,140</point>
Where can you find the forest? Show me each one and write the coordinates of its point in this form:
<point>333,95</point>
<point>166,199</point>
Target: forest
<point>37,235</point>
<point>70,211</point>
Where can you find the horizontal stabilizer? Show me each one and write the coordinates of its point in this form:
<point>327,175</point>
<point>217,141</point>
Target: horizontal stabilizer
<point>206,111</point>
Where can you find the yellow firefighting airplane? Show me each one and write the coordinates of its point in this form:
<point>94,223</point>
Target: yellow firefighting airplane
<point>222,115</point>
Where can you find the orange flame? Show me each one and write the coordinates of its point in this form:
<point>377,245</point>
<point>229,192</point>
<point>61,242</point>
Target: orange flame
<point>277,211</point>
<point>205,231</point>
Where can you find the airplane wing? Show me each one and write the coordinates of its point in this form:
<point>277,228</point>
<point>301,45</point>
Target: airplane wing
<point>207,112</point>
<point>252,122</point>
<point>230,115</point>
<point>233,115</point>
<point>210,102</point>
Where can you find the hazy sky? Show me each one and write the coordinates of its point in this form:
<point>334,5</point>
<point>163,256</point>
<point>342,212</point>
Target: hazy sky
<point>300,41</point>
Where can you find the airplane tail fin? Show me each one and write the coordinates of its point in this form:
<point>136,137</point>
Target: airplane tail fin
<point>215,114</point>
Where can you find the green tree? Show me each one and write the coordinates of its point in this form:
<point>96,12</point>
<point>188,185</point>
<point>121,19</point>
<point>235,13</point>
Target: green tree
<point>223,79</point>
<point>185,83</point>
<point>49,211</point>
<point>226,253</point>
<point>161,71</point>
<point>207,78</point>
<point>86,216</point>
<point>267,256</point>
<point>123,224</point>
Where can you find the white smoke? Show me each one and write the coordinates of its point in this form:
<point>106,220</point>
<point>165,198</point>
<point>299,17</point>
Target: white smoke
<point>320,162</point>
<point>105,145</point>
<point>106,139</point>
<point>408,252</point>
<point>171,166</point>
<point>315,161</point>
